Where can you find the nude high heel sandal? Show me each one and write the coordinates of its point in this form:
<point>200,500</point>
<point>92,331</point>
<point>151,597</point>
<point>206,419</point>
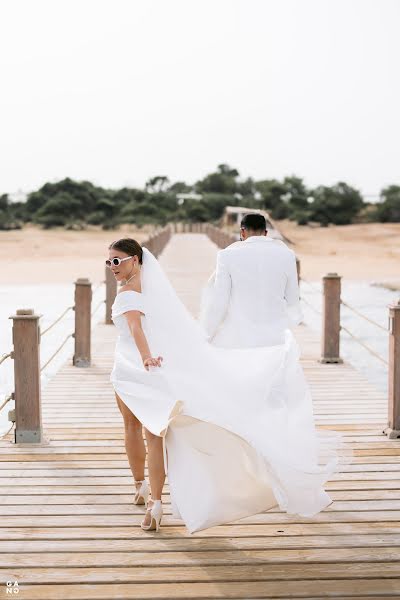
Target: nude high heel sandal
<point>156,513</point>
<point>142,492</point>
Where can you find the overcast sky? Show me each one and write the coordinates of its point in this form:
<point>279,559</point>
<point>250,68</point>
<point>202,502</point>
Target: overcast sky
<point>116,91</point>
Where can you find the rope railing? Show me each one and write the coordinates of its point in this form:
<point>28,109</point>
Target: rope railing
<point>98,286</point>
<point>97,307</point>
<point>311,306</point>
<point>3,435</point>
<point>7,399</point>
<point>57,320</point>
<point>364,345</point>
<point>4,357</point>
<point>342,327</point>
<point>57,351</point>
<point>357,312</point>
<point>312,286</point>
<point>347,305</point>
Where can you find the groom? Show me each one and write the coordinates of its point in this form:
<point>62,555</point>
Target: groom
<point>255,296</point>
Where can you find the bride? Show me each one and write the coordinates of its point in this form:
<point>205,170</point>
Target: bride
<point>233,428</point>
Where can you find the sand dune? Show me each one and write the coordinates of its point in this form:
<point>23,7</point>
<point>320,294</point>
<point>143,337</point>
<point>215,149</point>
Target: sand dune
<point>34,255</point>
<point>366,252</point>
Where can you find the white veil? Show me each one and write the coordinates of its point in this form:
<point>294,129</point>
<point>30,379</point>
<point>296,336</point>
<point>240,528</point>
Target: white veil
<point>165,309</point>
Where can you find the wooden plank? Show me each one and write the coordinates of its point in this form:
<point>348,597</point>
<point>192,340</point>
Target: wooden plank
<point>237,572</point>
<point>261,524</point>
<point>129,488</point>
<point>62,472</point>
<point>120,480</point>
<point>100,463</point>
<point>320,546</point>
<point>70,531</point>
<point>275,554</point>
<point>361,496</point>
<point>250,589</point>
<point>131,509</point>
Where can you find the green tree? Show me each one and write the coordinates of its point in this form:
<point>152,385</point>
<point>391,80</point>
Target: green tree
<point>214,204</point>
<point>125,195</point>
<point>4,202</point>
<point>60,209</point>
<point>195,211</point>
<point>84,192</point>
<point>157,184</point>
<point>225,169</point>
<point>106,206</point>
<point>35,201</point>
<point>247,188</point>
<point>389,209</point>
<point>274,199</point>
<point>338,204</point>
<point>222,181</point>
<point>72,203</point>
<point>179,187</point>
<point>297,192</point>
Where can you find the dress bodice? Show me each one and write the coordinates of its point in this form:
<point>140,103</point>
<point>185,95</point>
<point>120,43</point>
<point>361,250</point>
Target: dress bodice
<point>125,301</point>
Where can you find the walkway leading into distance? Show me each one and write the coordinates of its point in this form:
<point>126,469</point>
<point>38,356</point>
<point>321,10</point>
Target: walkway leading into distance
<point>69,528</point>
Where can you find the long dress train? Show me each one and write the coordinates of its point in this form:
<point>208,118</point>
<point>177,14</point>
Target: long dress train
<point>237,425</point>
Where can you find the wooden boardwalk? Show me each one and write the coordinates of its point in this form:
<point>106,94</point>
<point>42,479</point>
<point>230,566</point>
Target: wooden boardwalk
<point>69,528</point>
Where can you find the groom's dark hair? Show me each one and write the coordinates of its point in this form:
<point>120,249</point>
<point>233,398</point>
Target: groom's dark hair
<point>254,222</point>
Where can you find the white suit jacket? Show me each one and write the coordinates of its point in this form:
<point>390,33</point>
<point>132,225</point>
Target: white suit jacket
<point>255,295</point>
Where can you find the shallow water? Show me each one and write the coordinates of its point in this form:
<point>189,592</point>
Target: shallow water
<point>369,300</point>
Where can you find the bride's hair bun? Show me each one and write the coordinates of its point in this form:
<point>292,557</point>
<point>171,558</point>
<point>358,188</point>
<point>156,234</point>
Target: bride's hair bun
<point>129,246</point>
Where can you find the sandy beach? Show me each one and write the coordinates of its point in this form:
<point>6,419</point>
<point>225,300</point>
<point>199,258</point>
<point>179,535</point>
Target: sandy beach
<point>35,255</point>
<point>369,252</point>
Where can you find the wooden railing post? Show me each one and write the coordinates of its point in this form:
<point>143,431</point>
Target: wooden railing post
<point>393,430</point>
<point>111,292</point>
<point>330,351</point>
<point>26,354</point>
<point>83,302</point>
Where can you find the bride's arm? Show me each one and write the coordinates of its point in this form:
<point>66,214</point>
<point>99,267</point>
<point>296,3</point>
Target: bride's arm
<point>135,327</point>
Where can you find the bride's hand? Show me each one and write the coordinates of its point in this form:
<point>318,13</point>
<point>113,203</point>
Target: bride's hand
<point>149,361</point>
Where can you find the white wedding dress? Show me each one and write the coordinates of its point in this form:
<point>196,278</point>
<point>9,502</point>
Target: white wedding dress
<point>238,425</point>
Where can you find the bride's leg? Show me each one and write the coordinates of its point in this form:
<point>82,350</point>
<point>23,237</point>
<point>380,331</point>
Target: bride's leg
<point>134,442</point>
<point>155,459</point>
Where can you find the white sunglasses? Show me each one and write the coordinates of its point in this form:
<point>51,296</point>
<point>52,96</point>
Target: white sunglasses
<point>115,262</point>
